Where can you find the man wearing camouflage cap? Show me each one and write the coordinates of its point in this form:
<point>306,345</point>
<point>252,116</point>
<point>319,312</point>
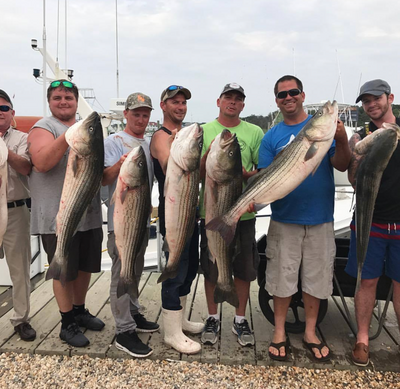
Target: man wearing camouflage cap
<point>125,309</point>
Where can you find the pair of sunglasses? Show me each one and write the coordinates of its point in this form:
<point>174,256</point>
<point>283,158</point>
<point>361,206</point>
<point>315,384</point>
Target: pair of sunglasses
<point>291,92</point>
<point>5,108</point>
<point>175,87</point>
<point>66,84</point>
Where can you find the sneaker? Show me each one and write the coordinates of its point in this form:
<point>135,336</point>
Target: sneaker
<point>89,321</point>
<point>25,331</point>
<point>131,344</point>
<point>74,336</point>
<point>210,332</point>
<point>242,330</point>
<point>143,325</point>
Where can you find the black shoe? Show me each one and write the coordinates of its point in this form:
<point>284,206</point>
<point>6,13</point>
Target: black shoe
<point>89,321</point>
<point>74,336</point>
<point>25,331</point>
<point>143,325</point>
<point>131,344</point>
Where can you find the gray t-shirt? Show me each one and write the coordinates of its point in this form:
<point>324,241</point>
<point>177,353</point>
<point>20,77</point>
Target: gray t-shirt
<point>46,189</point>
<point>115,146</point>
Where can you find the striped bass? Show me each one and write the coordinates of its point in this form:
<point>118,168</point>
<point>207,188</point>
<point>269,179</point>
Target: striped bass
<point>181,193</point>
<point>223,186</point>
<point>81,183</point>
<point>375,151</point>
<point>287,171</point>
<point>3,192</point>
<point>132,199</point>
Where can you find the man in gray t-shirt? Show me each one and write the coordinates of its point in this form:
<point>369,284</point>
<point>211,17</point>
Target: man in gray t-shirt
<point>125,309</point>
<point>49,154</point>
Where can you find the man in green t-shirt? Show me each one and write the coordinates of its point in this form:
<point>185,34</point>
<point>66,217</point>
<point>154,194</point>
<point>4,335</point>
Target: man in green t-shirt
<point>231,104</point>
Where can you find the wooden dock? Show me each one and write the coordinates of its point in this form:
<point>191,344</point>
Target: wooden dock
<point>333,329</point>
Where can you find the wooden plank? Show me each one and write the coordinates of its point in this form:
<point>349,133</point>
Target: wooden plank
<point>391,325</point>
<point>43,322</point>
<point>263,331</point>
<point>384,353</point>
<point>3,289</point>
<point>231,352</point>
<point>199,313</point>
<point>338,336</point>
<point>39,298</point>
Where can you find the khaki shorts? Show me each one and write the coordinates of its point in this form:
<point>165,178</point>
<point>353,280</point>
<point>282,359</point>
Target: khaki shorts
<point>245,263</point>
<point>291,247</point>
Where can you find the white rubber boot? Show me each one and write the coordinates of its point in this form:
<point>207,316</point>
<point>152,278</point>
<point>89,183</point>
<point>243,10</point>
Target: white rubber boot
<point>189,326</point>
<point>173,335</point>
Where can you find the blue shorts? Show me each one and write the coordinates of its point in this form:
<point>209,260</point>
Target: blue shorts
<point>383,252</point>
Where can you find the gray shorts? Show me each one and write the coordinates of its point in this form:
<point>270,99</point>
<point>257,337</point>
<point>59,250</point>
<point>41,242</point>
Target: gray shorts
<point>85,250</point>
<point>246,261</point>
<point>291,247</point>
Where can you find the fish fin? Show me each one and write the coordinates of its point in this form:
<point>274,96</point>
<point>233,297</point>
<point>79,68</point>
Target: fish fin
<point>259,206</point>
<point>1,252</point>
<point>227,231</point>
<point>168,272</point>
<point>227,294</point>
<point>113,198</point>
<point>75,165</point>
<point>129,287</point>
<point>124,192</point>
<point>165,246</point>
<point>311,151</point>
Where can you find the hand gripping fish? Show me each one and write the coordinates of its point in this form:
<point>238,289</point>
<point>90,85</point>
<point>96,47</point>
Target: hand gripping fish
<point>286,172</point>
<point>81,183</point>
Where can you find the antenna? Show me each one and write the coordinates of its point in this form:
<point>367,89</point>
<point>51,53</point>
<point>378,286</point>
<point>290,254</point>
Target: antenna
<point>294,62</point>
<point>44,61</point>
<point>66,35</point>
<point>116,43</point>
<point>340,75</point>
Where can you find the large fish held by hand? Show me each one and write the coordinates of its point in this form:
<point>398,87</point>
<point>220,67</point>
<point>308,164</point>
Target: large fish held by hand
<point>132,199</point>
<point>81,183</point>
<point>287,171</point>
<point>223,186</point>
<point>372,155</point>
<point>3,192</point>
<point>181,193</point>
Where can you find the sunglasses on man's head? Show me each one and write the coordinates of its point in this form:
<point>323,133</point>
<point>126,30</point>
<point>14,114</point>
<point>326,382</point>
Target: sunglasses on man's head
<point>5,108</point>
<point>291,92</point>
<point>174,87</point>
<point>66,84</point>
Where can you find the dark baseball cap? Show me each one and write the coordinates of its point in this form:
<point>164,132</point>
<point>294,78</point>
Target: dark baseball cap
<point>5,96</point>
<point>173,90</point>
<point>375,88</point>
<point>233,86</point>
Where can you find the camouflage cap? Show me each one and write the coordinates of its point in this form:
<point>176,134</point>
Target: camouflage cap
<point>233,86</point>
<point>138,100</point>
<point>5,96</point>
<point>173,90</point>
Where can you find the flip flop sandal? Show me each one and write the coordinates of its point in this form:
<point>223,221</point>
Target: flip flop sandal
<point>319,347</point>
<point>279,357</point>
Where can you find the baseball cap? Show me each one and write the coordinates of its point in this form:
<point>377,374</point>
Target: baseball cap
<point>5,96</point>
<point>233,86</point>
<point>138,100</point>
<point>375,88</point>
<point>173,90</point>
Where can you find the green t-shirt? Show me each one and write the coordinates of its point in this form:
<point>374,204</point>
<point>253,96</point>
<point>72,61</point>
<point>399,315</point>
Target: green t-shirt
<point>249,137</point>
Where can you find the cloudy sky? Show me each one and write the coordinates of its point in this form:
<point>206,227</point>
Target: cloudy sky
<point>202,44</point>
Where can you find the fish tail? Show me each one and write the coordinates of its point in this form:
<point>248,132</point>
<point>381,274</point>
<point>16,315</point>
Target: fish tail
<point>56,271</point>
<point>168,272</point>
<point>227,231</point>
<point>226,294</point>
<point>129,287</point>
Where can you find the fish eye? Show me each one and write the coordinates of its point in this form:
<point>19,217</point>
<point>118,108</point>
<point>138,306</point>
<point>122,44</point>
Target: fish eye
<point>91,129</point>
<point>230,153</point>
<point>200,145</point>
<point>140,164</point>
